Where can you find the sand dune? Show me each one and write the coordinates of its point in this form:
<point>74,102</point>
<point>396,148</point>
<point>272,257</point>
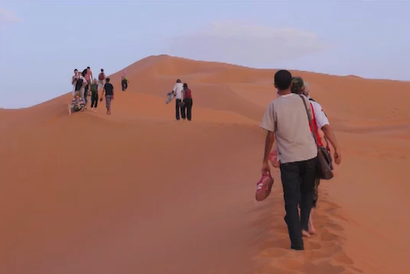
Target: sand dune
<point>138,192</point>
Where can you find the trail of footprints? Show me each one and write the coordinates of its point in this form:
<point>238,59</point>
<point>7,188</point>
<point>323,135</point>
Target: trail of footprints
<point>324,252</point>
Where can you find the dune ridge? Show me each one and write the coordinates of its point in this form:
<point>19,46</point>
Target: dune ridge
<point>138,192</point>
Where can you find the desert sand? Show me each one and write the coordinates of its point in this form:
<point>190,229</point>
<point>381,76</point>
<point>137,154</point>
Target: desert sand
<point>138,192</point>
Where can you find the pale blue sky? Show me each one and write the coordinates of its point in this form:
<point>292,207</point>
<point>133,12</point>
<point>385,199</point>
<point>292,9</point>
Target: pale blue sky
<point>41,42</point>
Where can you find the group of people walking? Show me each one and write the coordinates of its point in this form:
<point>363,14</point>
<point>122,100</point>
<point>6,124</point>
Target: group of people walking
<point>183,101</point>
<point>86,86</point>
<point>286,121</point>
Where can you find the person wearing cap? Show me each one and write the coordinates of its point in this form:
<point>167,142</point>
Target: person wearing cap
<point>177,91</point>
<point>323,132</point>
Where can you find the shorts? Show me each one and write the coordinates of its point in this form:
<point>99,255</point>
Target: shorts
<point>108,99</point>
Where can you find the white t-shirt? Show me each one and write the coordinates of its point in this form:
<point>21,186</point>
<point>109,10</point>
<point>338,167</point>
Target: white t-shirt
<point>178,88</point>
<point>321,118</point>
<point>72,78</point>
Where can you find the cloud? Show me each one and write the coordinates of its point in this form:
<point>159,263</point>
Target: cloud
<point>7,17</point>
<point>247,44</point>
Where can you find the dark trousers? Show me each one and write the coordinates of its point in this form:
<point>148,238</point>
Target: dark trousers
<point>124,84</point>
<point>94,100</point>
<point>187,109</point>
<point>178,110</point>
<point>86,94</point>
<point>298,181</point>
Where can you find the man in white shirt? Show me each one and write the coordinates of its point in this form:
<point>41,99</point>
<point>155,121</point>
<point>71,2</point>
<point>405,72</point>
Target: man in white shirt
<point>323,124</point>
<point>286,122</point>
<point>177,91</point>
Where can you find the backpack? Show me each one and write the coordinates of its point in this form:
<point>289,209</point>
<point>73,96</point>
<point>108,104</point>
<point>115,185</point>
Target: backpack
<point>94,88</point>
<point>84,73</point>
<point>79,84</point>
<point>101,76</point>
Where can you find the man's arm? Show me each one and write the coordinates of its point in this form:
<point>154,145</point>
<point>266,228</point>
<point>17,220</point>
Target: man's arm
<point>269,141</point>
<point>330,135</point>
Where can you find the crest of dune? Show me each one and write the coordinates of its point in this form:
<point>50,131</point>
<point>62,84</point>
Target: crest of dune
<point>138,192</point>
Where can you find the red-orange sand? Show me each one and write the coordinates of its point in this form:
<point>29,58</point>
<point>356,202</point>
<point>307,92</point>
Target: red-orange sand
<point>140,193</point>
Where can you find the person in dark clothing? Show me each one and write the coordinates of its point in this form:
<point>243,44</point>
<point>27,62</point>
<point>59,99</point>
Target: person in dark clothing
<point>108,90</point>
<point>187,103</point>
<point>86,88</point>
<point>94,94</point>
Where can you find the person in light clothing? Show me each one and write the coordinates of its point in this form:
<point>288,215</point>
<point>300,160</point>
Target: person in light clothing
<point>177,91</point>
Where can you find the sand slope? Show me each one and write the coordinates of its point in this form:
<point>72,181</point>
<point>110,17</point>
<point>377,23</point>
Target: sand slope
<point>138,192</point>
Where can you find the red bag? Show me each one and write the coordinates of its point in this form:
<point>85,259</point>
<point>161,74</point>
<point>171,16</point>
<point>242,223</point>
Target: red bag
<point>264,187</point>
<point>101,76</point>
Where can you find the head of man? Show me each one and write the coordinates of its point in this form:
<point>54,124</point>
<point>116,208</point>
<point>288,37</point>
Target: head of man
<point>283,81</point>
<point>306,89</point>
<point>76,72</point>
<point>297,85</point>
<point>178,80</point>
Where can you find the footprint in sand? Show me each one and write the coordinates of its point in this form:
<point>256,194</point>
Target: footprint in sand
<point>334,226</point>
<point>273,252</point>
<point>328,236</point>
<point>323,268</point>
<point>342,258</point>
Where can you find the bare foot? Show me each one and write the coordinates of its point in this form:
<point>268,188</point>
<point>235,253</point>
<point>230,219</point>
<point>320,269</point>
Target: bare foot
<point>305,233</point>
<point>312,229</point>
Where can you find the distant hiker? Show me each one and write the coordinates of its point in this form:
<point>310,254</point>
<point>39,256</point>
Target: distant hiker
<point>89,76</point>
<point>86,88</point>
<point>187,103</point>
<point>77,104</point>
<point>124,81</point>
<point>323,133</point>
<point>177,91</point>
<point>297,152</point>
<point>80,86</point>
<point>108,90</point>
<point>101,80</point>
<point>94,94</point>
<point>74,80</point>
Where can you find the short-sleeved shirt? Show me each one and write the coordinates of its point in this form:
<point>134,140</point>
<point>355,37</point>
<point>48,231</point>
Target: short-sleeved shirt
<point>109,89</point>
<point>286,116</point>
<point>178,88</point>
<point>320,116</point>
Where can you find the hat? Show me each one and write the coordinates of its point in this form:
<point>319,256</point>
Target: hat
<point>297,85</point>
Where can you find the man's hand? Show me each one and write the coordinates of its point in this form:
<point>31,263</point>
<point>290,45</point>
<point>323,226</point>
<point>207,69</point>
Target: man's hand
<point>337,156</point>
<point>265,168</point>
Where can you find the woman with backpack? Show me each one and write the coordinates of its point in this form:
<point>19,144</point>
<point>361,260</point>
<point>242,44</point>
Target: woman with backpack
<point>187,102</point>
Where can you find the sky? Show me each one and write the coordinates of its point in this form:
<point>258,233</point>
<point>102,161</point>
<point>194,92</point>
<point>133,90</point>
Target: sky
<point>41,42</point>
